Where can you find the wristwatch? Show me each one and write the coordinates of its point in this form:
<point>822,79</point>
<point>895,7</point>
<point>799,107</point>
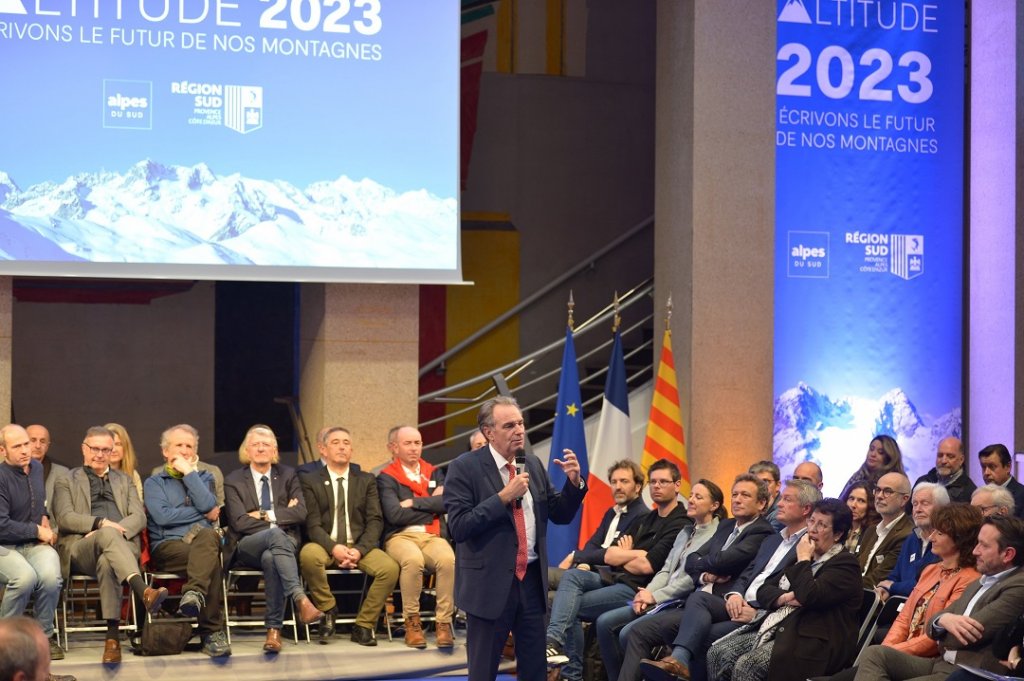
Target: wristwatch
<point>264,516</point>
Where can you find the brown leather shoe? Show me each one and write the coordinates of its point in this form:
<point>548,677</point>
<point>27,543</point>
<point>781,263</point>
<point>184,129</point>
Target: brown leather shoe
<point>666,669</point>
<point>153,599</point>
<point>414,637</point>
<point>112,651</point>
<point>445,636</point>
<point>273,642</point>
<point>306,611</point>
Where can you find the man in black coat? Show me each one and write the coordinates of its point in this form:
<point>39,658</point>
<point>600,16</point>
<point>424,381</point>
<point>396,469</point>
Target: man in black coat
<point>996,468</point>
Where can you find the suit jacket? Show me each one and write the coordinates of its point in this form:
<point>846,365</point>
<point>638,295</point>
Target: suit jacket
<point>72,504</point>
<point>884,559</point>
<point>592,552</point>
<point>56,471</point>
<point>666,584</point>
<point>949,590</point>
<point>484,530</point>
<point>757,566</point>
<point>365,522</point>
<point>733,560</point>
<point>1017,490</point>
<point>424,509</point>
<point>820,637</point>
<point>998,608</point>
<point>240,498</point>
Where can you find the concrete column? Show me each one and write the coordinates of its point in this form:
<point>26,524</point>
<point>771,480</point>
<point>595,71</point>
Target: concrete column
<point>6,338</point>
<point>358,362</point>
<point>715,218</point>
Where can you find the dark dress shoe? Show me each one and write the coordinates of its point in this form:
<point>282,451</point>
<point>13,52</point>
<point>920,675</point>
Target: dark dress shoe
<point>273,642</point>
<point>665,669</point>
<point>112,651</point>
<point>153,598</point>
<point>326,628</point>
<point>363,635</point>
<point>306,611</point>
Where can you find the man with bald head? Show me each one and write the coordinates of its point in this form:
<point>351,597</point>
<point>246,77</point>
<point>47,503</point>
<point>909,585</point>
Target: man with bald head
<point>808,471</point>
<point>882,542</point>
<point>950,471</point>
<point>39,445</point>
<point>411,498</point>
<point>29,564</point>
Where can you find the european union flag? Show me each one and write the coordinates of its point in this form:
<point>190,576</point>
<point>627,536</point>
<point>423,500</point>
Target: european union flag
<point>568,434</point>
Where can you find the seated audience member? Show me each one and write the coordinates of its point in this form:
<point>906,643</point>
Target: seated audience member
<point>477,439</point>
<point>29,565</point>
<point>916,551</point>
<point>861,502</point>
<point>344,527</point>
<point>182,508</point>
<point>100,517</point>
<point>670,585</point>
<point>994,500</point>
<point>808,471</point>
<point>1007,649</point>
<point>39,441</point>
<point>954,532</point>
<point>881,544</point>
<point>213,470</point>
<point>883,457</point>
<point>813,605</point>
<point>411,500</point>
<point>640,552</point>
<point>123,457</point>
<point>996,466</point>
<point>710,614</point>
<point>315,465</point>
<point>626,480</point>
<point>23,655</point>
<point>950,471</point>
<point>965,631</point>
<point>266,510</point>
<point>769,474</point>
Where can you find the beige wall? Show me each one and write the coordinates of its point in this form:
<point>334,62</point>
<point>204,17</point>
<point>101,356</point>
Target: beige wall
<point>714,215</point>
<point>358,354</point>
<point>144,366</point>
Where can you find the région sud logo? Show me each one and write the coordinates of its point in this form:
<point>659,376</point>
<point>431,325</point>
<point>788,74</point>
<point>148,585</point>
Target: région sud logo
<point>238,107</point>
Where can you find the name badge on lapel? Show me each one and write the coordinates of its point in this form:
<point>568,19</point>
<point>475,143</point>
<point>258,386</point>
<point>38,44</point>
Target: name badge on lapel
<point>879,559</point>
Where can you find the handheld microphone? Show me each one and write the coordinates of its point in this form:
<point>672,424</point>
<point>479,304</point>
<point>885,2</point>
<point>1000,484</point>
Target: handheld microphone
<point>520,467</point>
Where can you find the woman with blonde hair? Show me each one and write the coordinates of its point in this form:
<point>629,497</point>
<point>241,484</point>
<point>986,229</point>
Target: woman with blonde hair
<point>883,457</point>
<point>123,456</point>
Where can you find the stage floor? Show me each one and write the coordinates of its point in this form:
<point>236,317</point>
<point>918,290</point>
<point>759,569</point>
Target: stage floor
<point>341,659</point>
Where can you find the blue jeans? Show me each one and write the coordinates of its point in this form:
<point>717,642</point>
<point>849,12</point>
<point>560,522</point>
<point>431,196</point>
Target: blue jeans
<point>272,551</point>
<point>581,596</point>
<point>29,569</point>
<point>612,630</point>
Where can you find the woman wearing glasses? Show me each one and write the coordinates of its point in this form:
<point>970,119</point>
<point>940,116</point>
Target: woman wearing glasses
<point>810,626</point>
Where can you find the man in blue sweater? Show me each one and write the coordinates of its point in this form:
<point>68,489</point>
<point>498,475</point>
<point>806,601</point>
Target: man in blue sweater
<point>31,565</point>
<point>182,506</point>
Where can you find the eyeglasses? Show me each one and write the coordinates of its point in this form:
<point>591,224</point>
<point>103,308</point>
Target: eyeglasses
<point>659,483</point>
<point>820,525</point>
<point>98,450</point>
<point>885,491</point>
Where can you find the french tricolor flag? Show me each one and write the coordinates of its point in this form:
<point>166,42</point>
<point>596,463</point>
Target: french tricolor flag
<point>613,443</point>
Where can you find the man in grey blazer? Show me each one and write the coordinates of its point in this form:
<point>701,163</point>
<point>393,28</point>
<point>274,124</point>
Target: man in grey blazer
<point>100,517</point>
<point>966,630</point>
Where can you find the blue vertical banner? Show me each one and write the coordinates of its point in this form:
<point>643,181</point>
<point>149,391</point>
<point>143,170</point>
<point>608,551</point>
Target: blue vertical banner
<point>568,433</point>
<point>869,127</point>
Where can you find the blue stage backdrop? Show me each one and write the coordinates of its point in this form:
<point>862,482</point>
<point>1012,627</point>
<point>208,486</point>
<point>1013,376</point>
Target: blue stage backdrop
<point>869,230</point>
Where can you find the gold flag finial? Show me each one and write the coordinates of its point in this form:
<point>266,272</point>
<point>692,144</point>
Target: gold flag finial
<point>617,320</point>
<point>572,324</point>
<point>668,313</point>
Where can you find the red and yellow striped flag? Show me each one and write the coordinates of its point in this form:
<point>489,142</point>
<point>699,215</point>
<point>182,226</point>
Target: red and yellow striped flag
<point>664,439</point>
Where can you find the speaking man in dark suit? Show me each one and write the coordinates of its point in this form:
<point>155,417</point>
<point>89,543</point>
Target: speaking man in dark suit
<point>265,511</point>
<point>498,520</point>
<point>344,527</point>
<point>996,469</point>
<point>966,629</point>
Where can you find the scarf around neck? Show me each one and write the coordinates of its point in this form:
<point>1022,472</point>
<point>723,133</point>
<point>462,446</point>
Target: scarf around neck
<point>420,488</point>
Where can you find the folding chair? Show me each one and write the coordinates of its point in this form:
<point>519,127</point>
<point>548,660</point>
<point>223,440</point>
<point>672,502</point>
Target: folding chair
<point>230,578</point>
<point>886,616</point>
<point>365,585</point>
<point>78,592</point>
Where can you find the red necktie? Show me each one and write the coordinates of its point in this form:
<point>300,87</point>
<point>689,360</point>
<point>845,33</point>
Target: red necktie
<point>520,519</point>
